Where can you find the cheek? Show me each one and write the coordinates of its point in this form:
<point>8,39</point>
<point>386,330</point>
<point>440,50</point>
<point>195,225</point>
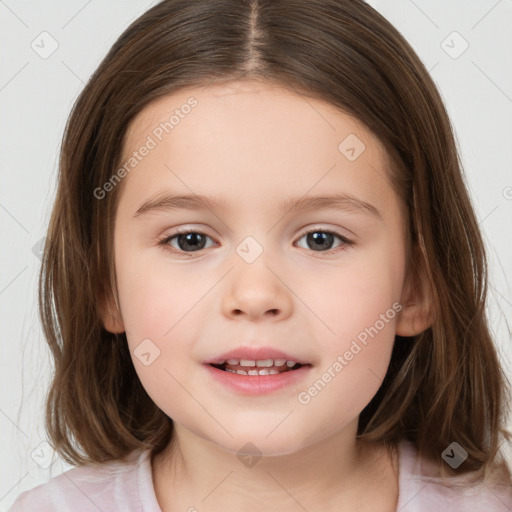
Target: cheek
<point>157,299</point>
<point>351,371</point>
<point>359,305</point>
<point>161,310</point>
<point>357,297</point>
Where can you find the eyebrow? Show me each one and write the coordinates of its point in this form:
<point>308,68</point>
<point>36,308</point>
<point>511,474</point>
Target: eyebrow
<point>345,202</point>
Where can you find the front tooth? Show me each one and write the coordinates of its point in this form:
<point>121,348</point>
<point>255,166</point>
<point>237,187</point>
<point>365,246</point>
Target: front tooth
<point>241,372</point>
<point>264,371</point>
<point>247,362</point>
<point>273,372</point>
<point>279,362</point>
<point>233,362</point>
<point>290,363</point>
<point>253,372</point>
<point>265,362</point>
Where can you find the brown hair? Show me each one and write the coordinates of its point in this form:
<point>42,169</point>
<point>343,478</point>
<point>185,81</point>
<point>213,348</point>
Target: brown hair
<point>444,385</point>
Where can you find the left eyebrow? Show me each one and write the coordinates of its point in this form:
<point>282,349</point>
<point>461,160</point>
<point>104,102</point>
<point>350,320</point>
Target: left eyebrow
<point>345,202</point>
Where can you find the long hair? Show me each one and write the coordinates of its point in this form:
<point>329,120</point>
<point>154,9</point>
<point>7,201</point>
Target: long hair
<point>442,385</point>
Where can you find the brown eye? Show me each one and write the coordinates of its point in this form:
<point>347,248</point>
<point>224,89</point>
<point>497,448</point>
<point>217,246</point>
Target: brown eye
<point>319,240</point>
<point>185,242</point>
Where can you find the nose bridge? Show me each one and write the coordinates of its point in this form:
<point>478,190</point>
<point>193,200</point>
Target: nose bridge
<point>255,288</point>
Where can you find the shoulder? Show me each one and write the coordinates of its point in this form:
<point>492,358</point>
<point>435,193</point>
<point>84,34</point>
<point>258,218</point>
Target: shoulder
<point>420,490</point>
<point>115,485</point>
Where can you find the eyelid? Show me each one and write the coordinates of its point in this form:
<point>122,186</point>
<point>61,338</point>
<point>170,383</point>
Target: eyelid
<point>347,242</point>
<point>181,230</point>
<point>323,229</point>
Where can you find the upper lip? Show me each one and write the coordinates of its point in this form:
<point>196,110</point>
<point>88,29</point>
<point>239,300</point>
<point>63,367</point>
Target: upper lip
<point>255,354</point>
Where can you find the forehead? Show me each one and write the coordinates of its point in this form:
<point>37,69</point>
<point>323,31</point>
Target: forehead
<point>252,133</point>
<point>250,102</point>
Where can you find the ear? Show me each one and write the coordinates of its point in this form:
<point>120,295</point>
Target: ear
<point>110,314</point>
<point>417,312</point>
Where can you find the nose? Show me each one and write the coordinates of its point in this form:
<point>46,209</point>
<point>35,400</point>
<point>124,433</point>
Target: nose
<point>255,292</point>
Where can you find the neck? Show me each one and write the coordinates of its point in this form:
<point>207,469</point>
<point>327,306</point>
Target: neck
<point>337,473</point>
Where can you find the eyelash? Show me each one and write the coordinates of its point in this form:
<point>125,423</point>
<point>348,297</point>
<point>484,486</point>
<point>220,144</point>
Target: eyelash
<point>164,242</point>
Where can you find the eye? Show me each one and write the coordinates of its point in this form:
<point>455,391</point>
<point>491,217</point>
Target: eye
<point>321,240</point>
<point>185,242</point>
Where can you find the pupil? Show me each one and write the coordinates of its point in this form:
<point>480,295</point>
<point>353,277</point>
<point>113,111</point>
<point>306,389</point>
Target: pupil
<point>316,239</point>
<point>193,241</point>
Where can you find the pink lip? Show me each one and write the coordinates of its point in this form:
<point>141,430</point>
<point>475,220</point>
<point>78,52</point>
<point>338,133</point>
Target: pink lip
<point>257,384</point>
<point>253,353</point>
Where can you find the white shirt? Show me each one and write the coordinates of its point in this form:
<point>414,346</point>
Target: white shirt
<point>128,487</point>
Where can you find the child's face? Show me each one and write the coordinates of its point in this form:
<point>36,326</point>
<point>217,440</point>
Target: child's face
<point>257,279</point>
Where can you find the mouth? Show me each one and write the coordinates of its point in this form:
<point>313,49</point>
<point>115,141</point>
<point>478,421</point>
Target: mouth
<point>255,371</point>
<point>257,366</point>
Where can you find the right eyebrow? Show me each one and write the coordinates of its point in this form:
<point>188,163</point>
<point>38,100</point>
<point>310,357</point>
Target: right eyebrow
<point>174,202</point>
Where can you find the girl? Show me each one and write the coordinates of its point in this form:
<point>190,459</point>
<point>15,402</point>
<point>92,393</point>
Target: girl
<point>263,283</point>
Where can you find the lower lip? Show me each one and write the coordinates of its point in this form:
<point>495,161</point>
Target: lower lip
<point>257,384</point>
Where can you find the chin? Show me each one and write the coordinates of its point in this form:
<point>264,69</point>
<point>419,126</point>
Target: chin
<point>252,442</point>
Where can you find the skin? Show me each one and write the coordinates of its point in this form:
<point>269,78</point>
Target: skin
<point>257,145</point>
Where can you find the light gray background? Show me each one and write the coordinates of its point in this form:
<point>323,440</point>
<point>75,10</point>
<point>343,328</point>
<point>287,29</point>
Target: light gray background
<point>36,95</point>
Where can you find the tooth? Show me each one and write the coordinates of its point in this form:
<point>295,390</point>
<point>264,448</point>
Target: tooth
<point>230,370</point>
<point>253,372</point>
<point>265,371</point>
<point>265,362</point>
<point>247,362</point>
<point>273,372</point>
<point>241,372</point>
<point>221,362</point>
<point>233,362</point>
<point>289,363</point>
<point>279,362</point>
